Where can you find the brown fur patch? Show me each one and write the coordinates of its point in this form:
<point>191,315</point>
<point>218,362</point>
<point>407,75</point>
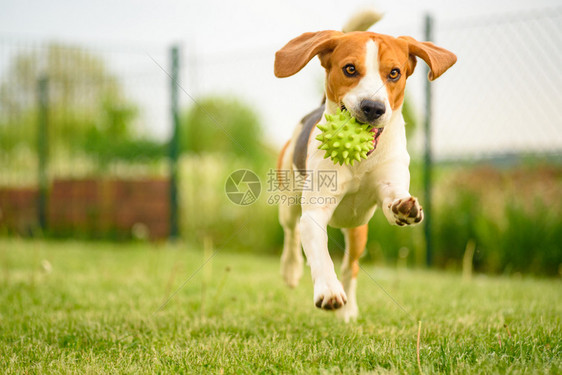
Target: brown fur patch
<point>357,238</point>
<point>350,49</point>
<point>336,50</point>
<point>393,54</point>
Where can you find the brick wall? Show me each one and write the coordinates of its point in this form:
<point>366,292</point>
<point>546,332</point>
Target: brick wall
<point>18,210</point>
<point>92,208</point>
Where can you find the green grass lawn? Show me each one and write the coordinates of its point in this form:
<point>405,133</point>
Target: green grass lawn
<point>96,308</point>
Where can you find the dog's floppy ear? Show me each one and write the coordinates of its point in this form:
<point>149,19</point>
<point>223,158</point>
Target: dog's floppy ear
<point>299,51</point>
<point>438,59</point>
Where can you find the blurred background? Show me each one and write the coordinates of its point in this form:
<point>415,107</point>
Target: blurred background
<point>121,121</point>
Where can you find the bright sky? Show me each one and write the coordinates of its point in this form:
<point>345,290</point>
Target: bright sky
<point>229,45</point>
<point>216,24</point>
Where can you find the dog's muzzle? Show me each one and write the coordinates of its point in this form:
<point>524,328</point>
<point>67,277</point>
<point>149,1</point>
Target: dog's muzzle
<point>367,112</point>
<point>371,110</point>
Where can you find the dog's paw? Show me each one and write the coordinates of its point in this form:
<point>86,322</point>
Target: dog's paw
<point>329,295</point>
<point>406,211</point>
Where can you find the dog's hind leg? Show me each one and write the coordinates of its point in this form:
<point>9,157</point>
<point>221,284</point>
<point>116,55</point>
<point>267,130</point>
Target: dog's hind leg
<point>291,259</point>
<point>355,242</point>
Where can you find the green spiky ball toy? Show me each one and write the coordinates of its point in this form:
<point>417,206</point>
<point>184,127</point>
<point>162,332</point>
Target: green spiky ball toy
<point>344,139</point>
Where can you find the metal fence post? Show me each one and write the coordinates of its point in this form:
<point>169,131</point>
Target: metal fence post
<point>174,142</point>
<point>42,149</point>
<point>427,175</point>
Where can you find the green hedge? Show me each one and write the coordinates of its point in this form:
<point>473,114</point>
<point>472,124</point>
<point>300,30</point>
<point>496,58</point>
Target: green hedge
<point>511,215</point>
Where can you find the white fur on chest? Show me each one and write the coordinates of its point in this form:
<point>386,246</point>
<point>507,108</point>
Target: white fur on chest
<point>358,186</point>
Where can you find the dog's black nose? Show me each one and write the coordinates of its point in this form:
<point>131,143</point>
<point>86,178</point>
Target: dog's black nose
<point>372,109</point>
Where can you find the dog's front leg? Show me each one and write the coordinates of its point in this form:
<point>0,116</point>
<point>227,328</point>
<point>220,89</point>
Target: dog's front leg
<point>398,206</point>
<point>328,291</point>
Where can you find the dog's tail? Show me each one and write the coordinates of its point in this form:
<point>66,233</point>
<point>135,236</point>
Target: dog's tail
<point>362,20</point>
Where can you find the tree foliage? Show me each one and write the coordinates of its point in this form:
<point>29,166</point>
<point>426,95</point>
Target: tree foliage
<point>223,125</point>
<point>87,108</point>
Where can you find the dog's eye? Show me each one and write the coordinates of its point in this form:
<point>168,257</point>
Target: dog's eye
<point>394,74</point>
<point>349,70</point>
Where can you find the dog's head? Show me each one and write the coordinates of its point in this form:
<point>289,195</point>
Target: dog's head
<point>365,72</point>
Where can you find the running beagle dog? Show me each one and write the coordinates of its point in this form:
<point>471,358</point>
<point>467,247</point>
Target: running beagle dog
<point>366,75</point>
